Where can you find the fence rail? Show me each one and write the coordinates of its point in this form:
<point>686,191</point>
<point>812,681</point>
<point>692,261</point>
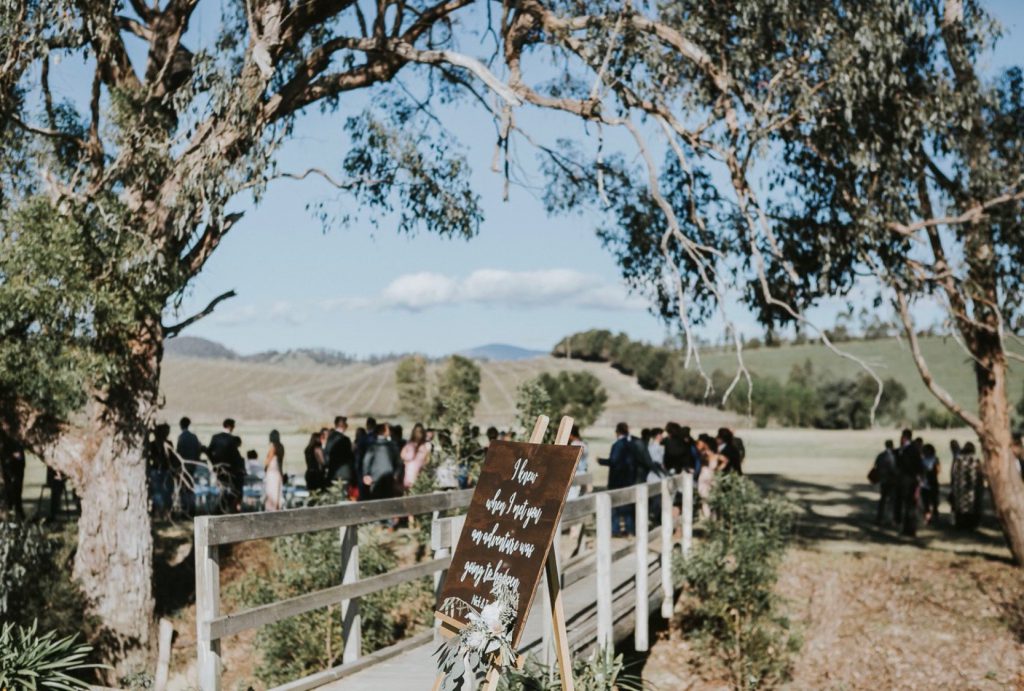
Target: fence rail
<point>213,531</point>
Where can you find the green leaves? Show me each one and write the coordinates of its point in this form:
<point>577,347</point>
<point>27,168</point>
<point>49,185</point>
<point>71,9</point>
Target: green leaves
<point>579,395</point>
<point>731,575</point>
<point>29,660</point>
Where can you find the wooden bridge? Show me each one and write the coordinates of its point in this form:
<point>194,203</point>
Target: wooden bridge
<point>610,589</point>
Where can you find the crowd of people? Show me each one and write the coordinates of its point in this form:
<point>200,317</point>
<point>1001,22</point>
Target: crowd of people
<point>908,479</point>
<point>671,450</point>
<point>376,463</point>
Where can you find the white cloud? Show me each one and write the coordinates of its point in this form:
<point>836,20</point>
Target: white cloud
<point>496,287</point>
<point>418,291</point>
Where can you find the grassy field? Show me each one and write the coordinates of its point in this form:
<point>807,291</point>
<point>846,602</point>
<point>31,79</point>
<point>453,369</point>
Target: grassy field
<point>889,358</point>
<point>308,395</point>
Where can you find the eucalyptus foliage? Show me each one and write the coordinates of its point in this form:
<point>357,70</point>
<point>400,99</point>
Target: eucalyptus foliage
<point>730,578</point>
<point>602,670</point>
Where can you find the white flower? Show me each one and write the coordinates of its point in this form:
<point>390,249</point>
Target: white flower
<point>491,615</point>
<point>475,639</point>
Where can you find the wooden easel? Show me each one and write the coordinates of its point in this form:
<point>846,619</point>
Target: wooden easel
<point>450,627</point>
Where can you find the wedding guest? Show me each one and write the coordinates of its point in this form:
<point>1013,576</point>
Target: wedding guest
<point>189,450</point>
<point>415,455</point>
<point>316,477</point>
<point>622,465</point>
<point>379,462</point>
<point>339,455</point>
<point>273,479</point>
<point>584,465</point>
<point>712,463</point>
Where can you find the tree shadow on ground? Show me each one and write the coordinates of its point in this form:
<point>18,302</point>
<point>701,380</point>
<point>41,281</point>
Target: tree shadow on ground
<point>174,574</point>
<point>845,513</point>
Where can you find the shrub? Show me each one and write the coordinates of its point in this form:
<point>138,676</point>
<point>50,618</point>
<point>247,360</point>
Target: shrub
<point>29,660</point>
<point>936,418</point>
<point>730,578</point>
<point>309,642</point>
<point>602,671</point>
<point>35,579</point>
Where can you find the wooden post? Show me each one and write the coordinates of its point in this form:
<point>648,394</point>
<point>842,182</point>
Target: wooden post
<point>351,622</point>
<point>640,619</point>
<point>667,591</point>
<point>207,605</point>
<point>554,582</point>
<point>547,643</point>
<point>603,528</point>
<point>163,661</point>
<point>443,543</point>
<point>687,513</point>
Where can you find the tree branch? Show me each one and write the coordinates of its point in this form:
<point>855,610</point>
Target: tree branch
<point>922,365</point>
<point>975,213</point>
<point>172,331</point>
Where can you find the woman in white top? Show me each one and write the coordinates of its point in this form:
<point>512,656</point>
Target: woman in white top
<point>273,480</point>
<point>584,465</point>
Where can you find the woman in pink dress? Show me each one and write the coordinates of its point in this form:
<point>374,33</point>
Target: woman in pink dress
<point>414,455</point>
<point>711,463</point>
<point>273,480</point>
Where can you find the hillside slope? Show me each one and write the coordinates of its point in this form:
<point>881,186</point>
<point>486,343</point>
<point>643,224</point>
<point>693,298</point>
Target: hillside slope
<point>890,358</point>
<point>308,394</point>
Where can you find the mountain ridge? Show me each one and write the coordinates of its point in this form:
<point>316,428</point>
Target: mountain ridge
<point>197,347</point>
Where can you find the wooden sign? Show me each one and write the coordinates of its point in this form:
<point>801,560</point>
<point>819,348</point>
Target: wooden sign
<point>510,525</point>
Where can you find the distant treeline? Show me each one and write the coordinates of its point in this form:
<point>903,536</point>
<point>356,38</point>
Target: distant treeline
<point>805,399</point>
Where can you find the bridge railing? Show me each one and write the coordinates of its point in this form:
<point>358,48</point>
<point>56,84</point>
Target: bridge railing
<point>213,531</point>
<point>581,565</point>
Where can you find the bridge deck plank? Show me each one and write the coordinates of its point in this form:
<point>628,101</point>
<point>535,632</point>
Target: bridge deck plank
<point>414,669</point>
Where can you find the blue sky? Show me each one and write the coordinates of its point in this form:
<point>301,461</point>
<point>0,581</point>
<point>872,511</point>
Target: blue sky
<point>526,279</point>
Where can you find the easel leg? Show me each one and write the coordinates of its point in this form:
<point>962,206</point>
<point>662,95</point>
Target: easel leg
<point>558,622</point>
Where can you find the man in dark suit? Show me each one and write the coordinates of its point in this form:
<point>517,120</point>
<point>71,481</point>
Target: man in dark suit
<point>229,465</point>
<point>622,462</point>
<point>339,455</point>
<point>909,469</point>
<point>189,450</point>
<point>727,447</point>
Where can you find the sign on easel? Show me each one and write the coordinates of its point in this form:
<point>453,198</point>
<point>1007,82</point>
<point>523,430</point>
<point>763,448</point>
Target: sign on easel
<point>509,531</point>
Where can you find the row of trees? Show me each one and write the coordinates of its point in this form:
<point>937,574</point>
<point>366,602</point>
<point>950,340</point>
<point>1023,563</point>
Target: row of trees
<point>805,399</point>
<point>449,397</point>
<point>812,151</point>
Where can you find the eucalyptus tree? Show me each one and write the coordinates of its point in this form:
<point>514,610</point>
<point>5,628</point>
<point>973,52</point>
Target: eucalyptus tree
<point>143,173</point>
<point>791,153</point>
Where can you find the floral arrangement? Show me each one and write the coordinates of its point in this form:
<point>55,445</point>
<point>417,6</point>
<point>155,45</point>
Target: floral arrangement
<point>485,641</point>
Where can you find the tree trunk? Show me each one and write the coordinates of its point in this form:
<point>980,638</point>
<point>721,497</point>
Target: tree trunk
<point>1001,466</point>
<point>114,561</point>
<point>107,464</point>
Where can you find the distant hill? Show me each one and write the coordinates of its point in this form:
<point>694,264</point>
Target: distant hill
<point>889,357</point>
<point>497,352</point>
<point>195,347</point>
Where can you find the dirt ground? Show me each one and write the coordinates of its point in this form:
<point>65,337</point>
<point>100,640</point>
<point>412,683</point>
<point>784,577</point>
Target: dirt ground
<point>891,619</point>
<point>875,610</point>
